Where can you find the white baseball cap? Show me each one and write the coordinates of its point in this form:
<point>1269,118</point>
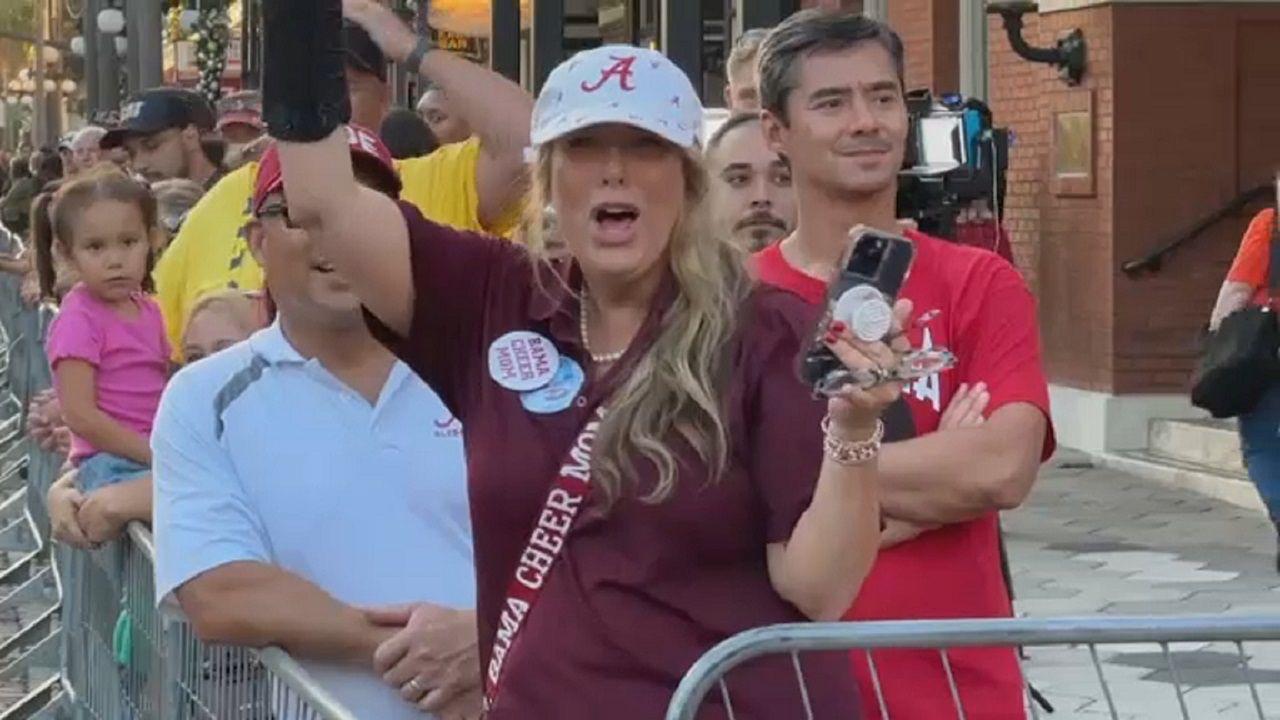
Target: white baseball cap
<point>618,84</point>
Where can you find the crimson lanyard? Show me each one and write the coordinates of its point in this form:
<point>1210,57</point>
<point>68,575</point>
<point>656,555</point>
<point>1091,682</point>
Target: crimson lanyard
<point>544,547</point>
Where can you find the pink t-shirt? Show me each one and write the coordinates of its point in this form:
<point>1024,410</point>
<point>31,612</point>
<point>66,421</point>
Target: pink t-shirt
<point>131,357</point>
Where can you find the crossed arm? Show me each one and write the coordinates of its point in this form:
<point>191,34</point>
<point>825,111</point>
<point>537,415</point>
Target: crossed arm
<point>958,474</point>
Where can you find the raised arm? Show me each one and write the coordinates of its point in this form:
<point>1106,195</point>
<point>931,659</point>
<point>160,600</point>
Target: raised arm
<point>359,230</point>
<point>305,103</point>
<point>497,109</point>
<point>429,287</point>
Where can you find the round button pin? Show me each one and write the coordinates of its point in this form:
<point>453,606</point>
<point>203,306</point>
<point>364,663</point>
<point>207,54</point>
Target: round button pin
<point>864,310</point>
<point>522,361</point>
<point>559,393</point>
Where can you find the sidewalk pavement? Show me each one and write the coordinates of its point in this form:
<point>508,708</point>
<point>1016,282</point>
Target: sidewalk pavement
<point>1094,541</point>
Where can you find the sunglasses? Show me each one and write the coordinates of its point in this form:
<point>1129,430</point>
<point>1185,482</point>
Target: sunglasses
<point>280,210</point>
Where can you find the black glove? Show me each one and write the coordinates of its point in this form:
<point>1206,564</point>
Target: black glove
<point>304,83</point>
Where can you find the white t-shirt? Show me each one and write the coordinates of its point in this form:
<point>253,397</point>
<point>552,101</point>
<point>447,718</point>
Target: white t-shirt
<point>261,455</point>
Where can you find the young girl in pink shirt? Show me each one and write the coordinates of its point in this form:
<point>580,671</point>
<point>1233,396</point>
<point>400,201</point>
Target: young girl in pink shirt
<point>107,345</point>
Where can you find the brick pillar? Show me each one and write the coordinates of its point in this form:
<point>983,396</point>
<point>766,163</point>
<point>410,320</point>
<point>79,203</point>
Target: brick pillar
<point>1062,244</point>
<point>930,30</point>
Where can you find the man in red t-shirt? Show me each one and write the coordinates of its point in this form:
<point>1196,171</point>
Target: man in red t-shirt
<point>832,92</point>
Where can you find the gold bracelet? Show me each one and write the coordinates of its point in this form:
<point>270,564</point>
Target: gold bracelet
<point>844,452</point>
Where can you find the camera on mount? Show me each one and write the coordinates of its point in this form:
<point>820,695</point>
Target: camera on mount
<point>954,158</point>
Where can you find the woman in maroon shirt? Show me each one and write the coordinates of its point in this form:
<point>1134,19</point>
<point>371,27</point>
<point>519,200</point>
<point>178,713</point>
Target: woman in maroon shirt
<point>646,470</point>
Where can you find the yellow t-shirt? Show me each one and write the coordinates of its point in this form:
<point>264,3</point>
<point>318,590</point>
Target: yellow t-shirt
<point>211,251</point>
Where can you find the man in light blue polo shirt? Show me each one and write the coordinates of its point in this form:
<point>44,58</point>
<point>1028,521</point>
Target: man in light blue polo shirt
<point>310,491</point>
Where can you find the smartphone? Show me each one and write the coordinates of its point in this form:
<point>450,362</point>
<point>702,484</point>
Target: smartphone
<point>862,295</point>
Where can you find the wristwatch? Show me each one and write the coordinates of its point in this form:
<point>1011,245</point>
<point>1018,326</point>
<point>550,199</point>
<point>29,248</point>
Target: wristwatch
<point>413,63</point>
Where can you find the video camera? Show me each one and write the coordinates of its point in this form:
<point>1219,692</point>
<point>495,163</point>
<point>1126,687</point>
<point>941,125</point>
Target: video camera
<point>954,157</point>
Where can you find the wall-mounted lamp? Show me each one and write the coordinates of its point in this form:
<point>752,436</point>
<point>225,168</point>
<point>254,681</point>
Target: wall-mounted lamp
<point>1068,55</point>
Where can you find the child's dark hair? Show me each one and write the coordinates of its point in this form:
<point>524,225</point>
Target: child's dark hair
<point>42,242</point>
<point>75,197</point>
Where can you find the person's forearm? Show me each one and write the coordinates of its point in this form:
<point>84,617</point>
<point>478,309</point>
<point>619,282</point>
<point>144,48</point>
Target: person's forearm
<point>135,500</point>
<point>1232,297</point>
<point>15,265</point>
<point>104,433</point>
<point>833,545</point>
<point>496,109</point>
<point>257,605</point>
<point>321,184</point>
<point>946,477</point>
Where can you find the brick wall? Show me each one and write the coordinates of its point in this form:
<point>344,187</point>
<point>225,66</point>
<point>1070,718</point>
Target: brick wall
<point>1197,121</point>
<point>1187,114</point>
<point>1075,259</point>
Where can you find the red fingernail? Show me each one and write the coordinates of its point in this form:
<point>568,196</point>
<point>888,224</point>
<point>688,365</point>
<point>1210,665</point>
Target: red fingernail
<point>830,338</point>
<point>837,327</point>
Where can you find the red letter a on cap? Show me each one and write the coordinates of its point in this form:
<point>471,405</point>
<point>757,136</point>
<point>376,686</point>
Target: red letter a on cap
<point>621,69</point>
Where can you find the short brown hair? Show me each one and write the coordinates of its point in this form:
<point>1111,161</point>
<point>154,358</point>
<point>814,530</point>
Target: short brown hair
<point>810,31</point>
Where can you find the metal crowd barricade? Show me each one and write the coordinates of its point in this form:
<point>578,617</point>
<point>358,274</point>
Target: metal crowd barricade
<point>126,659</point>
<point>708,673</point>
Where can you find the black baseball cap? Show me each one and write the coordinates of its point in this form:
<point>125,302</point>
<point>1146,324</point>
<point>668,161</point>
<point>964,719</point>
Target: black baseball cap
<point>363,53</point>
<point>157,109</point>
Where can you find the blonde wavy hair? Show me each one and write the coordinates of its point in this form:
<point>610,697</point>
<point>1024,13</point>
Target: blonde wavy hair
<point>674,394</point>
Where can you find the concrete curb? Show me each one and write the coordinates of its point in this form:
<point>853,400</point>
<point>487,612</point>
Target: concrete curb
<point>1229,488</point>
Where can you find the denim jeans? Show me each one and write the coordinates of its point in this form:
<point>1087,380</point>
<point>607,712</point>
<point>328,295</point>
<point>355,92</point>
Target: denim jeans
<point>102,469</point>
<point>1260,441</point>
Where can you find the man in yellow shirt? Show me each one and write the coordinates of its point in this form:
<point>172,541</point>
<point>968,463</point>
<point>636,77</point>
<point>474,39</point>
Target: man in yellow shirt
<point>474,185</point>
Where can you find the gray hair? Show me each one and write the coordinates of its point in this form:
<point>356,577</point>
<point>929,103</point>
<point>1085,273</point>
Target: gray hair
<point>88,137</point>
<point>746,48</point>
<point>810,31</point>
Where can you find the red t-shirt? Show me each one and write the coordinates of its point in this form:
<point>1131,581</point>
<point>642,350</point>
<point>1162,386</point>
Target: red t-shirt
<point>987,317</point>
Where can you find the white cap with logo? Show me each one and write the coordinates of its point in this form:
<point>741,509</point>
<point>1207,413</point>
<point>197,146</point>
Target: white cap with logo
<point>618,84</point>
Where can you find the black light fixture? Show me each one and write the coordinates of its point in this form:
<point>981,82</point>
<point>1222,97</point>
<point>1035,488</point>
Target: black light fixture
<point>1068,54</point>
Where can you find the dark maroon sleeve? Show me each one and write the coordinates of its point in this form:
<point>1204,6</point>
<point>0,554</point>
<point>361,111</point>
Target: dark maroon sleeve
<point>460,281</point>
<point>783,417</point>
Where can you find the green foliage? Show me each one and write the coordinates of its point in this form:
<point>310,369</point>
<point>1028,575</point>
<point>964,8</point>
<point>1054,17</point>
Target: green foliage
<point>18,16</point>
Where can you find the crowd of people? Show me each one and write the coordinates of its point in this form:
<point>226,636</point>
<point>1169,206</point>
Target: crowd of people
<point>490,406</point>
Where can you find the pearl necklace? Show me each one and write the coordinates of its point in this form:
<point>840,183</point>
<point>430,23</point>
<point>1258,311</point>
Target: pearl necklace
<point>602,358</point>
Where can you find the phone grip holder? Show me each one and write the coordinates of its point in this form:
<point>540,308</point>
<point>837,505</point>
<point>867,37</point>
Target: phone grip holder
<point>863,309</point>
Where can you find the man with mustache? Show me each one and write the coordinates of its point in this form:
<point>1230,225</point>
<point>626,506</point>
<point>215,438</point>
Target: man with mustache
<point>751,185</point>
